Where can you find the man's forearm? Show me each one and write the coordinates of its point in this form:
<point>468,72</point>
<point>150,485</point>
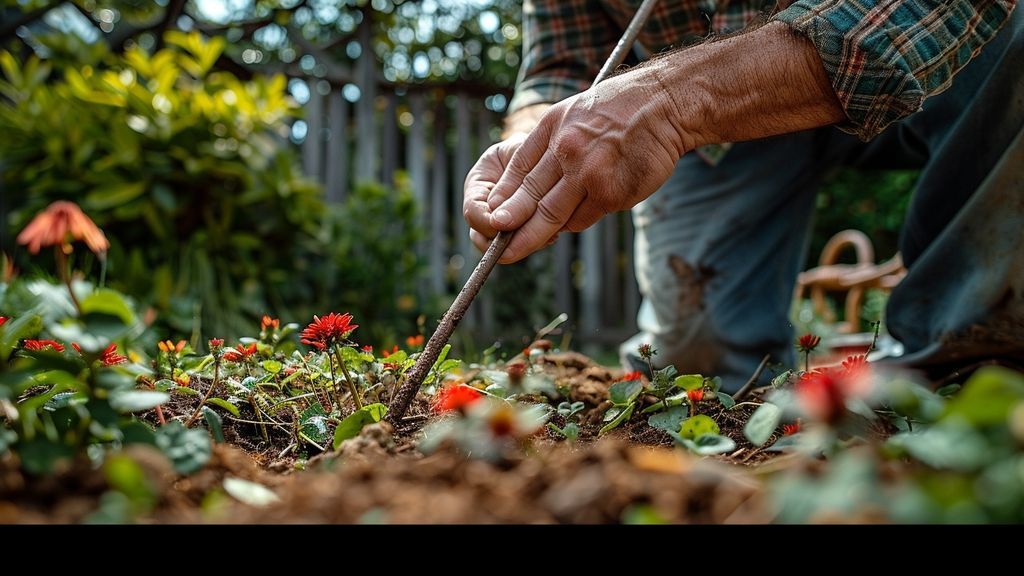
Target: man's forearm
<point>762,83</point>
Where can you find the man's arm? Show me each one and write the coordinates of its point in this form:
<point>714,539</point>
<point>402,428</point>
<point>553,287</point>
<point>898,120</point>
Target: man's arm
<point>612,146</point>
<point>884,57</point>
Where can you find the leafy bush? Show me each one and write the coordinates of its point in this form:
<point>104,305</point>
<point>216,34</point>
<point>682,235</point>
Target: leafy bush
<point>188,172</point>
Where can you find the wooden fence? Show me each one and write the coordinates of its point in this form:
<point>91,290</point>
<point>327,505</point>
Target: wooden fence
<point>435,136</point>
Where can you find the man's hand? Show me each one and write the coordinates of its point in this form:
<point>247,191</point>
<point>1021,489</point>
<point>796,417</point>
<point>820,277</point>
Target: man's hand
<point>610,147</point>
<point>600,151</point>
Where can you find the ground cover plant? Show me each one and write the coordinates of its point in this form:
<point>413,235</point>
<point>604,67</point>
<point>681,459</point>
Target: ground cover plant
<point>101,421</point>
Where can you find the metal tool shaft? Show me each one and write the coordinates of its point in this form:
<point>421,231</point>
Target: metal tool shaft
<point>415,376</point>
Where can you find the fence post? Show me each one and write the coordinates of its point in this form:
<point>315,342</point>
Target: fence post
<point>416,160</point>
<point>312,148</point>
<point>462,165</point>
<point>337,148</point>
<point>366,147</point>
<point>591,290</point>
<point>438,204</point>
<point>631,300</point>
<point>389,158</point>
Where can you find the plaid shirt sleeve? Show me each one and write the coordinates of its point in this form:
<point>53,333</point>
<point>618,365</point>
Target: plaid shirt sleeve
<point>564,42</point>
<point>885,57</point>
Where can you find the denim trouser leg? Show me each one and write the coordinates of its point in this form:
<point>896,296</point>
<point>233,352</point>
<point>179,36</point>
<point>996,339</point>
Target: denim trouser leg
<point>963,239</point>
<point>717,254</point>
<point>718,248</point>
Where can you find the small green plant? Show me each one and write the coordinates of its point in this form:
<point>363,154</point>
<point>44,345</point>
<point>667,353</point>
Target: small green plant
<point>569,411</point>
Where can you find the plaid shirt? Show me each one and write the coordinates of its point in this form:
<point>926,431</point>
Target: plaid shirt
<point>884,57</point>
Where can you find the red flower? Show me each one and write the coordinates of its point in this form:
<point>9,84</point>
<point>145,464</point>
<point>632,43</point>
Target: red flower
<point>328,331</point>
<point>388,353</point>
<point>268,322</point>
<point>368,349</point>
<point>414,341</point>
<point>43,345</point>
<point>823,393</point>
<point>110,357</point>
<point>790,429</point>
<point>3,320</point>
<point>695,395</point>
<point>855,364</point>
<point>216,343</point>
<point>808,342</point>
<point>456,396</point>
<point>629,376</point>
<point>169,346</point>
<point>52,226</point>
<point>393,366</point>
<point>240,352</point>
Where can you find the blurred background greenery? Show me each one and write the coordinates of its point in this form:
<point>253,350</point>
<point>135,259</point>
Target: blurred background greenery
<point>173,124</point>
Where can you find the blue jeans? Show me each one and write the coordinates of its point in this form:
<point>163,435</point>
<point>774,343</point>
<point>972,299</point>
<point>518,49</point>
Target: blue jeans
<point>718,248</point>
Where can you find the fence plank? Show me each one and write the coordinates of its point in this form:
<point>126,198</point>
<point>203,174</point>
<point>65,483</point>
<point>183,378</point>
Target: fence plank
<point>312,146</point>
<point>591,290</point>
<point>563,275</point>
<point>389,127</point>
<point>488,320</point>
<point>462,164</point>
<point>416,158</point>
<point>611,271</point>
<point>438,205</point>
<point>366,129</point>
<point>337,148</point>
<point>631,298</point>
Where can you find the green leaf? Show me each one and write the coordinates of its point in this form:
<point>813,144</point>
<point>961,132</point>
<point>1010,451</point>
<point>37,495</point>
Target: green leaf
<point>113,379</point>
<point>622,393</point>
<point>619,419</point>
<point>125,401</point>
<point>272,366</point>
<point>689,382</point>
<point>497,390</point>
<point>707,444</point>
<point>987,397</point>
<point>127,477</point>
<point>670,420</point>
<point>950,445</point>
<point>114,195</point>
<point>726,400</point>
<point>785,443</point>
<point>214,423</point>
<point>762,423</point>
<point>136,432</point>
<point>250,493</point>
<point>188,450</point>
<point>663,378</point>
<point>782,379</point>
<point>313,421</point>
<point>39,455</point>
<point>697,426</point>
<point>222,403</point>
<point>16,329</point>
<point>7,439</point>
<point>354,423</point>
<point>109,302</point>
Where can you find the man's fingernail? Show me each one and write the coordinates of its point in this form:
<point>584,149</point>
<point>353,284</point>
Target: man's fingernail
<point>502,216</point>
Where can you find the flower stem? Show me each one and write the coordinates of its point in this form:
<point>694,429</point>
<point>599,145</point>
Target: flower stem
<point>65,275</point>
<point>807,361</point>
<point>334,383</point>
<point>213,385</point>
<point>348,380</point>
